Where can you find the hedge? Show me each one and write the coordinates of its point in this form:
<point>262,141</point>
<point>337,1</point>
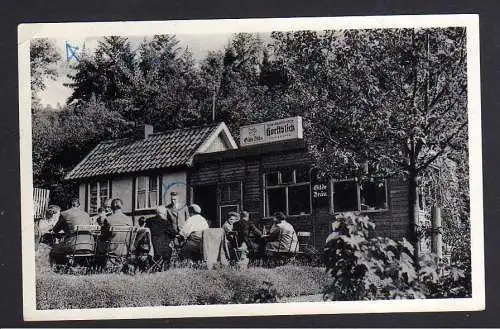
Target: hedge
<point>178,286</point>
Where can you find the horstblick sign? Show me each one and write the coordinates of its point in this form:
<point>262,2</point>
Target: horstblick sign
<point>271,131</point>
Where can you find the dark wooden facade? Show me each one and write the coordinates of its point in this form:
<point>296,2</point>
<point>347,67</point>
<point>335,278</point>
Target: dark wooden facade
<point>248,166</point>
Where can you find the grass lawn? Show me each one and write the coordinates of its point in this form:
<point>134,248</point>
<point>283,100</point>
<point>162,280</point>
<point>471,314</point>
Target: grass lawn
<point>179,286</point>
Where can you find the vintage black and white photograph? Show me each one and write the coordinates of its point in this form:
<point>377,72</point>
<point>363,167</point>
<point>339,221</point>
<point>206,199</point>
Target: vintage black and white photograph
<point>213,168</point>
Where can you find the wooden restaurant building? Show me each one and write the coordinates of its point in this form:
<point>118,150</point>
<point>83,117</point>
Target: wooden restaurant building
<point>269,170</point>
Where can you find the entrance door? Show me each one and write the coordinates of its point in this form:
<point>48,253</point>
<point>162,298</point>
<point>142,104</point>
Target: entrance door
<point>206,197</point>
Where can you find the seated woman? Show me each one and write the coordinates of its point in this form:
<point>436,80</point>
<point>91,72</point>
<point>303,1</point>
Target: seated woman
<point>191,233</point>
<point>46,224</point>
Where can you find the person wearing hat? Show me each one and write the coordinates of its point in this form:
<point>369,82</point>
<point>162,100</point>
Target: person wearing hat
<point>177,213</point>
<point>191,233</point>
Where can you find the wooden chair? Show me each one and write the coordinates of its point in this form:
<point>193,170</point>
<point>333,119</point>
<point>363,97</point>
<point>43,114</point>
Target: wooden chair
<point>81,255</point>
<point>304,241</point>
<point>118,247</point>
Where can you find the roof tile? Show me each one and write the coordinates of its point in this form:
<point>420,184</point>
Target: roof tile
<point>161,150</point>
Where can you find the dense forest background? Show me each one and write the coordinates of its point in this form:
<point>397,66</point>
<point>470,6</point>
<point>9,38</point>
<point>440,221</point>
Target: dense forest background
<point>395,99</point>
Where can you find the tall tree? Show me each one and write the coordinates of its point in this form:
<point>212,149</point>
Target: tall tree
<point>239,91</point>
<point>394,98</point>
<point>165,86</point>
<point>62,139</point>
<point>105,74</point>
<point>43,59</point>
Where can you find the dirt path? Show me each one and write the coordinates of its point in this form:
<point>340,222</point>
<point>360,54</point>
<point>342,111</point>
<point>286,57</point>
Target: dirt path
<point>306,298</point>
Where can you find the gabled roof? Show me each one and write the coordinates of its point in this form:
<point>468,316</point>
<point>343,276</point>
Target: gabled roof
<point>170,149</point>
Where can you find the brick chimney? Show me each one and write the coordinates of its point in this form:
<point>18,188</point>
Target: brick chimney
<point>143,131</point>
<point>148,131</point>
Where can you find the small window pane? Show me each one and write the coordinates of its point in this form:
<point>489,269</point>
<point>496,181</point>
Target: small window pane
<point>345,196</point>
<point>230,192</point>
<point>225,194</point>
<point>153,183</point>
<point>141,200</point>
<point>141,183</point>
<point>276,200</point>
<point>103,192</point>
<point>93,198</point>
<point>302,175</point>
<point>153,191</point>
<point>153,199</point>
<point>372,195</point>
<point>287,176</point>
<point>299,201</point>
<point>235,191</point>
<point>272,178</point>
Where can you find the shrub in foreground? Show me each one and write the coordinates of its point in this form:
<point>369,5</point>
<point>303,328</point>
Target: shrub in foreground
<point>179,286</point>
<point>365,267</point>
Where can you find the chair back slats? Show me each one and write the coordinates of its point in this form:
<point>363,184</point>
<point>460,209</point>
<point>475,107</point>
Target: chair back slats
<point>121,239</point>
<point>84,244</point>
<point>40,202</point>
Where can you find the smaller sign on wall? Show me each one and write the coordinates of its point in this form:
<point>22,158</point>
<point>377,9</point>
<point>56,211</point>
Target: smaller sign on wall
<point>271,131</point>
<point>319,189</point>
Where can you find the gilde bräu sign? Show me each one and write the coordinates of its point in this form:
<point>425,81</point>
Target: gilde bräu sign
<point>271,131</point>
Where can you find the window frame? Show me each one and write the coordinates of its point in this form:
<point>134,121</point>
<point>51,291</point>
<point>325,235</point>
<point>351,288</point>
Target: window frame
<point>358,194</point>
<point>98,196</point>
<point>230,200</point>
<point>286,186</point>
<point>148,191</point>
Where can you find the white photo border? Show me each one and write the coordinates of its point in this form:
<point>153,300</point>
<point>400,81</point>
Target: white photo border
<point>26,32</point>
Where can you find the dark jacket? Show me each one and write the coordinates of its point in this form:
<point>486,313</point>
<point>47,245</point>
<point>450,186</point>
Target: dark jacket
<point>69,219</point>
<point>119,219</point>
<point>162,233</point>
<point>244,229</point>
<point>178,217</point>
<point>72,243</point>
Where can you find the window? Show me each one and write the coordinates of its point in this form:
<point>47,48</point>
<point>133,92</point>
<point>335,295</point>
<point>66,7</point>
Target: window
<point>353,195</point>
<point>230,192</point>
<point>373,195</point>
<point>98,193</point>
<point>288,190</point>
<point>345,196</point>
<point>147,193</point>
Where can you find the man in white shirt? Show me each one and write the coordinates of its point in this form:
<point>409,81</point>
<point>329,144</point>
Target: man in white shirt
<point>191,233</point>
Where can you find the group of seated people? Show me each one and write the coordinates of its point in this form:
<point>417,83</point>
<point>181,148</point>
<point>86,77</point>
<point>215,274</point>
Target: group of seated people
<point>153,237</point>
<point>156,237</point>
<point>247,238</point>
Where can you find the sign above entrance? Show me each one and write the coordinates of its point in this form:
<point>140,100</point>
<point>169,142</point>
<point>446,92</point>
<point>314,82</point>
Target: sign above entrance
<point>271,131</point>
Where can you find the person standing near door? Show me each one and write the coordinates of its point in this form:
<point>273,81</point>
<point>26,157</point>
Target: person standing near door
<point>176,212</point>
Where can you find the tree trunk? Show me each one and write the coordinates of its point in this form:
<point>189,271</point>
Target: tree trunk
<point>413,211</point>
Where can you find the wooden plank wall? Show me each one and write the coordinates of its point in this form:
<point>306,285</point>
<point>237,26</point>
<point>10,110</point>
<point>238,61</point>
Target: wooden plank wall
<point>392,223</point>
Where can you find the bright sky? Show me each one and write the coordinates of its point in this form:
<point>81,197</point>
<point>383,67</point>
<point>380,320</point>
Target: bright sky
<point>56,92</point>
